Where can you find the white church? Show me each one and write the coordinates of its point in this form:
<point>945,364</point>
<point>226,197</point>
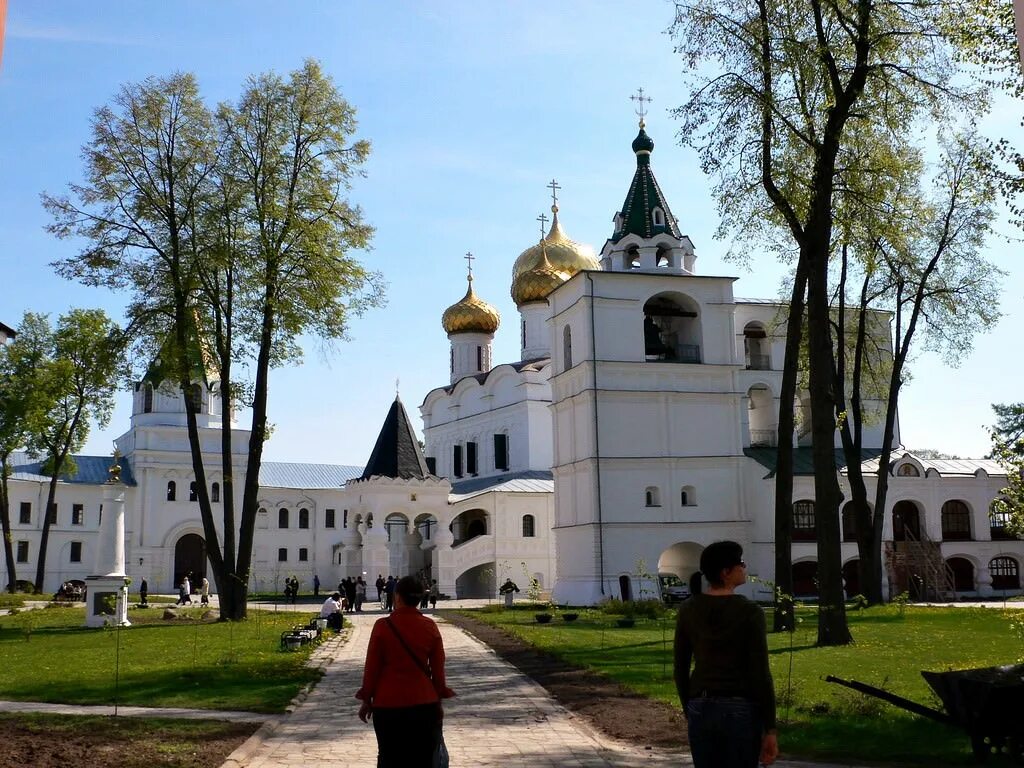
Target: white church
<point>637,426</point>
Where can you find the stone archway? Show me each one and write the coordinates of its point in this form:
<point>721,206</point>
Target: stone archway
<point>190,559</point>
<point>682,559</point>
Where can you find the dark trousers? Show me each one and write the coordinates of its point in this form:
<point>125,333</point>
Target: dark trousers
<point>406,736</point>
<point>725,732</point>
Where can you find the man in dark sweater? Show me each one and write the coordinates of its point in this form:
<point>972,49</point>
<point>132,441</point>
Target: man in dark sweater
<point>729,697</point>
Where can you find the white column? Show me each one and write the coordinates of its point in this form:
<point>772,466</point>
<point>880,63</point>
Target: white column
<point>538,337</point>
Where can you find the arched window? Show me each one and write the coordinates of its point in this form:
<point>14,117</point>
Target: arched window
<point>282,517</point>
<point>658,217</point>
<point>172,490</point>
<point>652,497</point>
<point>672,330</point>
<point>688,496</point>
<point>956,521</point>
<point>528,529</point>
<point>215,492</point>
<point>303,518</point>
<point>479,357</point>
<point>1005,573</point>
<point>908,470</point>
<point>476,528</point>
<point>663,258</point>
<point>193,491</point>
<point>755,347</point>
<point>147,398</point>
<point>803,521</point>
<point>632,257</point>
<point>906,521</point>
<point>998,521</point>
<point>567,348</point>
<point>452,360</point>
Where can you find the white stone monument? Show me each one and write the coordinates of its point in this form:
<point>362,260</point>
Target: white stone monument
<point>107,590</point>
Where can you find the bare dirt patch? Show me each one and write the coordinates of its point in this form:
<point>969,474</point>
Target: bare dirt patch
<point>59,741</point>
<point>605,704</point>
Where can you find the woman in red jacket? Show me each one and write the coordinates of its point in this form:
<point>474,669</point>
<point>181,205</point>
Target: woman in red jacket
<point>403,683</point>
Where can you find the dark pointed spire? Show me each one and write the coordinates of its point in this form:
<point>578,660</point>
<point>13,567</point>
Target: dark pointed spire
<point>397,453</point>
<point>637,216</point>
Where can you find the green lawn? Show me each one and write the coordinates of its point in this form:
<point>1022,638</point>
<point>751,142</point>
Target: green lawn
<point>49,656</point>
<point>817,719</point>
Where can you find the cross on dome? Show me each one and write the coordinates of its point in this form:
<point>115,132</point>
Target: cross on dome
<point>641,100</point>
<point>543,221</point>
<point>469,263</point>
<point>554,187</point>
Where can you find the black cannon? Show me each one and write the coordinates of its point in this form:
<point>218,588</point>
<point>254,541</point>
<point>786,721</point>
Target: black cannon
<point>987,702</point>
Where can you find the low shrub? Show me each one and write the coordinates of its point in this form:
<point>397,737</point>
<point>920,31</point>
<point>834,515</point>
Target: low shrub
<point>641,609</point>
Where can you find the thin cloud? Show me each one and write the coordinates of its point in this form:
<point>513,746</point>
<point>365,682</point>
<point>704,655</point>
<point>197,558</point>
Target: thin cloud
<point>54,34</point>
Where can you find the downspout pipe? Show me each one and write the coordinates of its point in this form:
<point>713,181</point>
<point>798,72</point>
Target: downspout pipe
<point>597,435</point>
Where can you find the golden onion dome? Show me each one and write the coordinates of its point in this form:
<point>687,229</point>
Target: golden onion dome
<point>543,267</point>
<point>470,314</point>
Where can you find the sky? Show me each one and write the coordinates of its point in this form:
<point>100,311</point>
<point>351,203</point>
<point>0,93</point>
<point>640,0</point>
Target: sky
<point>471,108</point>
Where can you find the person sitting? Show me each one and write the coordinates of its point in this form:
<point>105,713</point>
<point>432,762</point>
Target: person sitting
<point>331,610</point>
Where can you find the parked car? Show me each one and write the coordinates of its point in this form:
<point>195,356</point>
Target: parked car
<point>673,590</point>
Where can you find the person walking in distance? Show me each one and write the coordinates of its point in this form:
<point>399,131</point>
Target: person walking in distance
<point>316,585</point>
<point>728,698</point>
<point>204,592</point>
<point>360,594</point>
<point>404,683</point>
<point>389,594</point>
<point>379,583</point>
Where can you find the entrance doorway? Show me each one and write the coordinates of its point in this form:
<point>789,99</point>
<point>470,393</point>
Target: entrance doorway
<point>190,559</point>
<point>906,522</point>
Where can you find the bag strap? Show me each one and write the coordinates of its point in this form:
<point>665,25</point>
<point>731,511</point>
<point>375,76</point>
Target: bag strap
<point>413,656</point>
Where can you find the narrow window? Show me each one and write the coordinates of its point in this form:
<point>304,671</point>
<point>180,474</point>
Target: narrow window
<point>471,458</point>
<point>22,555</point>
<point>172,490</point>
<point>452,362</point>
<point>76,552</point>
<point>282,517</point>
<point>193,491</point>
<point>431,465</point>
<point>479,358</point>
<point>501,451</point>
<point>523,333</point>
<point>53,513</point>
<point>77,514</point>
<point>528,529</point>
<point>658,217</point>
<point>328,518</point>
<point>652,497</point>
<point>215,492</point>
<point>344,518</point>
<point>282,555</point>
<point>147,398</point>
<point>303,554</point>
<point>567,348</point>
<point>303,518</point>
<point>457,461</point>
<point>25,513</point>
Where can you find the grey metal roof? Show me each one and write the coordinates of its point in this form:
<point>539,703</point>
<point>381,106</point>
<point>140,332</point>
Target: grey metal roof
<point>948,467</point>
<point>91,470</point>
<point>527,481</point>
<point>284,474</point>
<point>803,462</point>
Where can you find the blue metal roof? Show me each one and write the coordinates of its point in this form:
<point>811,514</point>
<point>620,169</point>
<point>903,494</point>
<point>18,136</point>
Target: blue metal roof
<point>528,481</point>
<point>283,474</point>
<point>91,470</point>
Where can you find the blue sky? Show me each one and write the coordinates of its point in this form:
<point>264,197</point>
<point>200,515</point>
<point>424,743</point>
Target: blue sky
<point>471,108</point>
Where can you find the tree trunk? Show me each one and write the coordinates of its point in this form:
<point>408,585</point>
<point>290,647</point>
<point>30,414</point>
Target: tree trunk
<point>5,521</point>
<point>783,614</point>
<point>44,538</point>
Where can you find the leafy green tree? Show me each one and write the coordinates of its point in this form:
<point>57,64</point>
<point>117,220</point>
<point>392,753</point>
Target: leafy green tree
<point>1009,427</point>
<point>79,378</point>
<point>233,234</point>
<point>1009,507</point>
<point>20,398</point>
<point>790,104</point>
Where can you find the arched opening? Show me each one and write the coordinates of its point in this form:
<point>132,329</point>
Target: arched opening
<point>805,579</point>
<point>396,526</point>
<point>658,217</point>
<point>682,559</point>
<point>172,490</point>
<point>762,417</point>
<point>189,559</point>
<point>756,352</point>
<point>803,521</point>
<point>528,527</point>
<point>849,520</point>
<point>663,257</point>
<point>672,331</point>
<point>906,521</point>
<point>566,348</point>
<point>426,525</point>
<point>215,492</point>
<point>1005,572</point>
<point>625,588</point>
<point>908,470</point>
<point>963,574</point>
<point>631,258</point>
<point>193,491</point>
<point>998,521</point>
<point>851,578</point>
<point>956,521</point>
<point>147,398</point>
<point>476,582</point>
<point>469,525</point>
<point>303,518</point>
<point>688,496</point>
<point>652,496</point>
<point>282,517</point>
